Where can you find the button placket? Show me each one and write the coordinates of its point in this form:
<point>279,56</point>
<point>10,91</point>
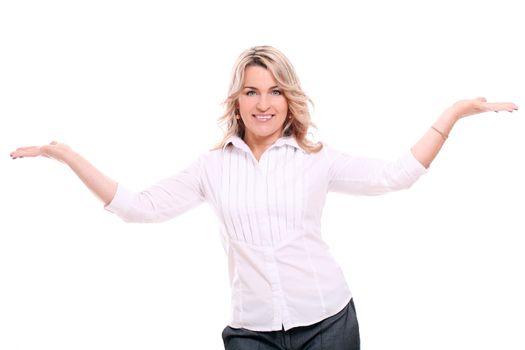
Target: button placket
<point>276,287</point>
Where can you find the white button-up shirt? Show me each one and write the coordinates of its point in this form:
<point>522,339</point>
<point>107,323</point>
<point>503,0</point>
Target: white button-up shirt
<point>281,271</point>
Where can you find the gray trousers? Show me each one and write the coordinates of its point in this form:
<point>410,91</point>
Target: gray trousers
<point>338,332</point>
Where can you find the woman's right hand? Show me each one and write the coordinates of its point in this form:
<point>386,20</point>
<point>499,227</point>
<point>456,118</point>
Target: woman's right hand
<point>104,187</point>
<point>54,150</point>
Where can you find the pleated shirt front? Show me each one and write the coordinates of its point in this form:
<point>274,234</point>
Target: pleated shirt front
<point>281,271</point>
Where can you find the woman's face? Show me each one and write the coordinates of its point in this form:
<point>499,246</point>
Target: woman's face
<point>262,106</point>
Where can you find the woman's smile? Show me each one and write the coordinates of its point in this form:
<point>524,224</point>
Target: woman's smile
<point>263,117</point>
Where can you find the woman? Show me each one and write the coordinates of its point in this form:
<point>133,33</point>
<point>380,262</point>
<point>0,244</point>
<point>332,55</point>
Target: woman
<point>267,183</point>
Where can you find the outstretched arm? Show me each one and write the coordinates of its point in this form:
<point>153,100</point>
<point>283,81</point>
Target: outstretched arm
<point>101,185</point>
<point>427,148</point>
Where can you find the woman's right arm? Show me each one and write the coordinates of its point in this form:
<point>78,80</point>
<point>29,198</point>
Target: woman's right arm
<point>101,185</point>
<point>164,200</point>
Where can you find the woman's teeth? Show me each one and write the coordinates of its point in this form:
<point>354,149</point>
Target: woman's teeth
<point>264,117</point>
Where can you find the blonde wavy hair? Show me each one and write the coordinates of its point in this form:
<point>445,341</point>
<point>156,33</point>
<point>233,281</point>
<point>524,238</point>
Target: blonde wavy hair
<point>284,74</point>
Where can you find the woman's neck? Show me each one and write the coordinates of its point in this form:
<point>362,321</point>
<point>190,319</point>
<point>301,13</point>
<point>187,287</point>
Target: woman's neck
<point>258,145</point>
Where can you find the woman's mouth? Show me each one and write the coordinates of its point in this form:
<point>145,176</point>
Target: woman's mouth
<point>263,117</point>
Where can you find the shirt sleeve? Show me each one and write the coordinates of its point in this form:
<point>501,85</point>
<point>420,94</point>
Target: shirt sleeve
<point>368,176</point>
<point>164,200</point>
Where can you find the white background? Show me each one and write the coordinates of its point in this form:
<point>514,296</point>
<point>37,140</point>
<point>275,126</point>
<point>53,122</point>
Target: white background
<point>136,87</point>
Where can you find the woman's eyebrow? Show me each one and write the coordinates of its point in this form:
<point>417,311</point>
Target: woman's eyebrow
<point>254,88</point>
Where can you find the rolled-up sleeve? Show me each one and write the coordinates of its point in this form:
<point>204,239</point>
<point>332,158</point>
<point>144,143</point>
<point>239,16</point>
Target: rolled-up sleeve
<point>368,176</point>
<point>164,200</point>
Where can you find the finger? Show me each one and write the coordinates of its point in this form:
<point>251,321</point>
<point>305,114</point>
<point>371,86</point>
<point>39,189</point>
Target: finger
<point>30,151</point>
<point>26,151</point>
<point>481,99</point>
<point>503,106</point>
<point>15,155</point>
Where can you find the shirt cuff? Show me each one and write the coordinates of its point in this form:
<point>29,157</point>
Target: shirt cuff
<point>121,202</point>
<point>412,166</point>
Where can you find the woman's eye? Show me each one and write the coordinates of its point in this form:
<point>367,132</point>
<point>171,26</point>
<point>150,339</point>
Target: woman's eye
<point>276,92</point>
<point>250,93</point>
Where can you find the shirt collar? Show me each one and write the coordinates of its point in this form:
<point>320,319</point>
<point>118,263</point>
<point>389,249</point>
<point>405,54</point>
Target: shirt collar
<point>239,143</point>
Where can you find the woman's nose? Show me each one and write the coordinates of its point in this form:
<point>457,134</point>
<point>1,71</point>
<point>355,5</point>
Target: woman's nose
<point>262,103</point>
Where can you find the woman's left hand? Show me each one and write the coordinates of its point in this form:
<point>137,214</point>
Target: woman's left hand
<point>478,105</point>
<point>426,149</point>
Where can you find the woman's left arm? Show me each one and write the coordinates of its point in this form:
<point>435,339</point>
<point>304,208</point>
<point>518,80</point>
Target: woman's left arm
<point>427,148</point>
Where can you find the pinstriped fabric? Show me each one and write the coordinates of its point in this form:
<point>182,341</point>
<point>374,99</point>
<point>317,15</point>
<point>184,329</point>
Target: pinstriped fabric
<point>234,191</point>
<point>260,210</point>
<point>262,201</point>
<point>288,193</point>
<point>269,164</point>
<point>225,195</point>
<point>245,198</point>
<point>298,191</point>
<point>280,204</point>
<point>250,196</point>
